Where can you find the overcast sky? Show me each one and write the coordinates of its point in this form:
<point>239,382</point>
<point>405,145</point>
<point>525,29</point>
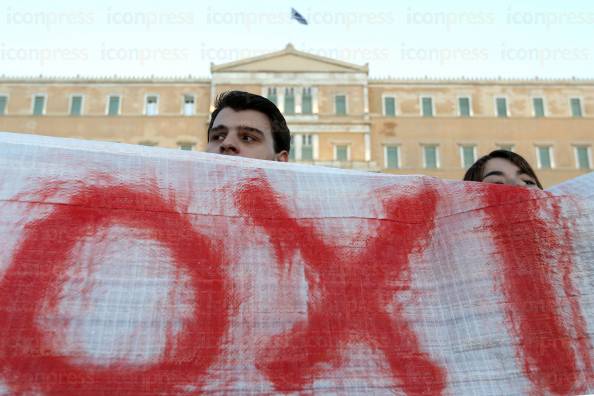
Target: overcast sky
<point>397,38</point>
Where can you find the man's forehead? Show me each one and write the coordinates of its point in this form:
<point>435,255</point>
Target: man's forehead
<point>246,118</point>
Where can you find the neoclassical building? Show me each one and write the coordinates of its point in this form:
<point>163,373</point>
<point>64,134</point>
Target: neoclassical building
<point>338,115</point>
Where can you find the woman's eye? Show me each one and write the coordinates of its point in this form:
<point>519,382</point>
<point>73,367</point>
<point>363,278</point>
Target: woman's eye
<point>530,182</point>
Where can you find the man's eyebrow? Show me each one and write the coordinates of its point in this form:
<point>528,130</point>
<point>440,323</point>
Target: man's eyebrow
<point>247,128</point>
<point>250,129</point>
<point>218,128</point>
<point>493,173</point>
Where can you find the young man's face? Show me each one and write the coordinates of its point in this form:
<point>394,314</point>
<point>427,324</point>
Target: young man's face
<point>245,133</point>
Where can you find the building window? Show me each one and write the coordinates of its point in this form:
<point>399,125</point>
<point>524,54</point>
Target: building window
<point>506,147</point>
<point>427,106</point>
<point>576,107</point>
<point>307,148</point>
<point>430,156</point>
<point>304,147</point>
<point>341,152</point>
<point>464,106</point>
<point>340,104</point>
<point>289,101</point>
<point>544,157</point>
<point>76,105</point>
<point>538,105</point>
<point>392,157</point>
<point>501,107</point>
<point>389,106</point>
<point>189,105</point>
<point>306,101</point>
<point>583,157</point>
<point>151,105</point>
<point>3,102</point>
<point>467,155</point>
<point>113,105</point>
<point>38,104</point>
<point>186,146</point>
<point>272,95</point>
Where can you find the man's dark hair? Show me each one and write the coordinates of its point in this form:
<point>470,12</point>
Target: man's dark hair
<point>475,172</point>
<point>239,100</point>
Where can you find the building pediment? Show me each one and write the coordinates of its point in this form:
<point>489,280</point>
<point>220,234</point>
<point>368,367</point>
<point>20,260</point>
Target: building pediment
<point>289,60</point>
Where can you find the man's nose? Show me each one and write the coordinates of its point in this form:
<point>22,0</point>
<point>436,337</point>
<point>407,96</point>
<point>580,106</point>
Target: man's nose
<point>228,146</point>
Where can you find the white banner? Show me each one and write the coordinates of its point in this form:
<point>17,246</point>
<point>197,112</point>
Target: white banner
<point>135,270</point>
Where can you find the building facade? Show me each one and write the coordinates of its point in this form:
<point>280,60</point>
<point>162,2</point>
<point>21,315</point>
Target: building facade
<point>338,116</point>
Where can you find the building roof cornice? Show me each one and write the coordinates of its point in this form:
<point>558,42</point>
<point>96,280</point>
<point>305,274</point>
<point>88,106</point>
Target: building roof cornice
<point>40,79</point>
<point>103,79</point>
<point>479,81</point>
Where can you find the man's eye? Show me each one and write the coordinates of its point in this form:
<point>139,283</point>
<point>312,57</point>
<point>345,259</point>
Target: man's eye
<point>217,137</point>
<point>248,138</point>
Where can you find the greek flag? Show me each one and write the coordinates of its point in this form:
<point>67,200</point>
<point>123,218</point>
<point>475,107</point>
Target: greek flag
<point>298,17</point>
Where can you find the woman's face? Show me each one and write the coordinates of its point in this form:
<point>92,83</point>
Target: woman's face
<point>502,171</point>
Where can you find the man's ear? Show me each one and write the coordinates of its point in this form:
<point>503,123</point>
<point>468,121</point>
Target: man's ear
<point>283,156</point>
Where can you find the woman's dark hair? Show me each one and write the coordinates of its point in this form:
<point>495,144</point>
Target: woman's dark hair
<point>475,172</point>
<point>240,100</point>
